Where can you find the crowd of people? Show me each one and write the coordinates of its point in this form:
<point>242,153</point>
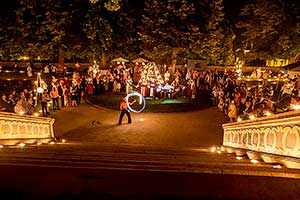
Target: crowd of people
<point>238,101</point>
<point>228,92</point>
<point>24,97</point>
<point>232,95</point>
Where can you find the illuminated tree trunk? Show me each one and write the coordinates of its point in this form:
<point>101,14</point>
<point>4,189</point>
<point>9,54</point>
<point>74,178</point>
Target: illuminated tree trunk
<point>61,58</point>
<point>174,60</point>
<point>103,58</point>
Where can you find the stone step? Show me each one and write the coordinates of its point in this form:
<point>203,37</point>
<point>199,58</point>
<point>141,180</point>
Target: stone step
<point>144,158</point>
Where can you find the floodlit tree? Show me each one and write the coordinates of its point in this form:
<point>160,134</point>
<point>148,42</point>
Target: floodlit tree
<point>167,29</point>
<point>125,23</point>
<point>98,31</point>
<point>215,38</point>
<point>270,28</point>
<point>112,5</point>
<point>193,29</point>
<point>41,29</point>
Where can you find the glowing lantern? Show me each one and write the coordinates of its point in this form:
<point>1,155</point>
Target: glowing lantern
<point>40,90</point>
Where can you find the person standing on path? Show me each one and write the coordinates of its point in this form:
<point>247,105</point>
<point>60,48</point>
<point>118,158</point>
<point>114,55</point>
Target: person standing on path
<point>54,95</point>
<point>124,110</point>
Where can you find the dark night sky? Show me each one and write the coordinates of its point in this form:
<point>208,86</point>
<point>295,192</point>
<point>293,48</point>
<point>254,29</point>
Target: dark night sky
<point>232,8</point>
<point>6,7</point>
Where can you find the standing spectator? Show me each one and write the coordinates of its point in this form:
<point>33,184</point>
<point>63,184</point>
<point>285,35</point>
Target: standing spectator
<point>221,104</point>
<point>44,101</point>
<point>46,70</point>
<point>90,87</point>
<point>61,93</point>
<point>66,96</point>
<point>232,111</point>
<point>215,93</point>
<point>29,71</point>
<point>67,82</point>
<point>77,65</point>
<point>53,70</point>
<point>24,100</point>
<point>54,96</point>
<point>79,93</point>
<point>64,71</point>
<point>74,92</point>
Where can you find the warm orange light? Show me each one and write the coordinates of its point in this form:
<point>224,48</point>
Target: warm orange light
<point>251,117</point>
<point>238,158</point>
<point>254,161</point>
<point>295,106</point>
<point>213,149</point>
<point>268,113</point>
<point>21,145</point>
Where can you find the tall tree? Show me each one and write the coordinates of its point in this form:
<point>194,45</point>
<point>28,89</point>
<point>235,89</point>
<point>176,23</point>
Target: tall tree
<point>42,28</point>
<point>8,33</point>
<point>125,22</point>
<point>166,30</point>
<point>270,28</point>
<point>215,39</point>
<point>99,32</point>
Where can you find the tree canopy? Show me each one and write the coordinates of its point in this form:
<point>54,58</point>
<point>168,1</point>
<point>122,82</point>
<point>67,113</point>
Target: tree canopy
<point>270,28</point>
<point>168,31</point>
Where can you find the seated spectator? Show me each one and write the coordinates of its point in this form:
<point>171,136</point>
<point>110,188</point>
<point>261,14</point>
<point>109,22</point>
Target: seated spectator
<point>18,108</point>
<point>247,111</point>
<point>10,100</point>
<point>268,103</point>
<point>30,106</point>
<point>4,105</point>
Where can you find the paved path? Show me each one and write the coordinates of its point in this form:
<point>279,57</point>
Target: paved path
<point>158,156</point>
<point>87,123</point>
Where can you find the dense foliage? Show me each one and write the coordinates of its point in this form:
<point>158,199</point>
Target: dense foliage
<point>168,31</point>
<point>270,28</point>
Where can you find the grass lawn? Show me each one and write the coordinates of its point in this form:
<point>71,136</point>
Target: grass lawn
<point>112,101</point>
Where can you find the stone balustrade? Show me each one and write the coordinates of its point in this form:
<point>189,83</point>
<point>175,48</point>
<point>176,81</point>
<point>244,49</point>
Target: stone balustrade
<point>274,139</point>
<point>16,128</point>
